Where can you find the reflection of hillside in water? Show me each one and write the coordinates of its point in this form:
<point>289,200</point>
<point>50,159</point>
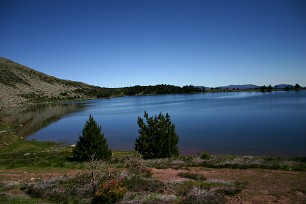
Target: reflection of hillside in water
<point>34,118</point>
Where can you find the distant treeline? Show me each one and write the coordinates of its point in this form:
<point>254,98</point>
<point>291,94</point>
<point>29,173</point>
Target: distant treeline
<point>264,88</point>
<point>160,89</point>
<point>270,88</point>
<point>137,90</point>
<point>148,90</point>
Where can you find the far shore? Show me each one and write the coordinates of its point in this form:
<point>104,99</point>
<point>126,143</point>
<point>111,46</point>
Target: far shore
<point>16,103</point>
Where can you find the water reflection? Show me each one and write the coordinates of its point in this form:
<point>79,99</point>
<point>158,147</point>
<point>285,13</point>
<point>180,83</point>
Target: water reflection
<point>33,118</point>
<point>230,123</point>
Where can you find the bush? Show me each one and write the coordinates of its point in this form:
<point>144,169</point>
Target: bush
<point>142,184</point>
<point>110,191</point>
<point>62,189</point>
<point>205,155</point>
<point>157,137</point>
<point>137,166</point>
<point>92,143</point>
<point>198,195</point>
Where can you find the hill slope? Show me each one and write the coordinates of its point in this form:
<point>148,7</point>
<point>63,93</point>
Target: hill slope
<point>21,85</point>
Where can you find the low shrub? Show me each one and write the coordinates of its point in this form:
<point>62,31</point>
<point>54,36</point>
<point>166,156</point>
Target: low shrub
<point>205,155</point>
<point>62,189</point>
<point>153,198</point>
<point>140,184</point>
<point>159,163</point>
<point>110,191</point>
<point>198,195</point>
<point>232,189</point>
<point>214,191</point>
<point>251,162</point>
<point>137,166</point>
<point>175,163</point>
<point>16,199</point>
<point>182,188</point>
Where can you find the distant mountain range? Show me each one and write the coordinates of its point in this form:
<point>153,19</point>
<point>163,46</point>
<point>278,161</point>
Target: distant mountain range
<point>282,86</point>
<point>252,86</point>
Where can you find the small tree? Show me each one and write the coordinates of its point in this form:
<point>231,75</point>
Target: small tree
<point>92,143</point>
<point>297,87</point>
<point>157,137</point>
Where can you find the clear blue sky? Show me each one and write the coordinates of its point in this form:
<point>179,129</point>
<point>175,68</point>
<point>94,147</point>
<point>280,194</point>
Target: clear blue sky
<point>115,43</point>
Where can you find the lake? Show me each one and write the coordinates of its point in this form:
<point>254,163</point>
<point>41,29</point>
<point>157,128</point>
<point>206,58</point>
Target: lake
<point>221,123</point>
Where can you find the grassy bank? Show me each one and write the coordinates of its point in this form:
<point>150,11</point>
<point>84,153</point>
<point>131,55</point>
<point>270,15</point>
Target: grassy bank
<point>35,154</point>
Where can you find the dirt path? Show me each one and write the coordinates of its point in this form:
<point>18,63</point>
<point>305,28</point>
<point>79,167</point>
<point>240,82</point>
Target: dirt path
<point>263,186</point>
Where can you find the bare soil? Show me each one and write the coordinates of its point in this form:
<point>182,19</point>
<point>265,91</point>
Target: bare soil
<point>263,186</point>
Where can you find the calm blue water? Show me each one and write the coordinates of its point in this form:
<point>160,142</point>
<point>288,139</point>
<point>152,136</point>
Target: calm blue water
<point>224,123</point>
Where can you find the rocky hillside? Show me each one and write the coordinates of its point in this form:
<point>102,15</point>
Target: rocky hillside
<point>20,85</point>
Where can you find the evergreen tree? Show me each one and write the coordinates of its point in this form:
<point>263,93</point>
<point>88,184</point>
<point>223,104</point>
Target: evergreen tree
<point>157,137</point>
<point>92,143</point>
<point>297,87</point>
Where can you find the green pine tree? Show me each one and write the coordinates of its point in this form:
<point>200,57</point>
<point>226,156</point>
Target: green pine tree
<point>92,143</point>
<point>157,137</point>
